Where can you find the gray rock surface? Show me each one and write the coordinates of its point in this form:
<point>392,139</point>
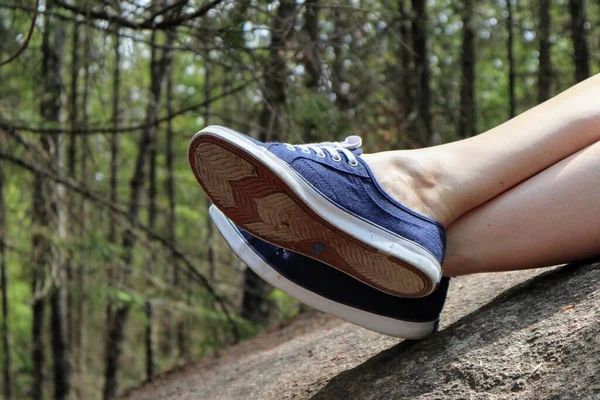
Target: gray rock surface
<point>538,339</point>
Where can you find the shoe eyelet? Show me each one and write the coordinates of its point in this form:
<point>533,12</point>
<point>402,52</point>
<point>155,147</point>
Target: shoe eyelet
<point>353,163</point>
<point>321,155</point>
<point>337,159</point>
<point>305,150</point>
<point>290,147</point>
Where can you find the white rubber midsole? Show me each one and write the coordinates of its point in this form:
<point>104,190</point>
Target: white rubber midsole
<point>380,239</point>
<point>378,323</point>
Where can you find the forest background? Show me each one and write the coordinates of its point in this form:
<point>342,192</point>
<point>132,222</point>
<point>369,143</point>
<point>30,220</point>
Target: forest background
<point>111,271</point>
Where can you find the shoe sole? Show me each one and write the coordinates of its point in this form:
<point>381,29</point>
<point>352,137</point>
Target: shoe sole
<point>262,194</point>
<point>374,322</point>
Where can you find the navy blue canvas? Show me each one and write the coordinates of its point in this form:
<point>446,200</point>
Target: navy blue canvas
<point>335,285</point>
<point>355,190</point>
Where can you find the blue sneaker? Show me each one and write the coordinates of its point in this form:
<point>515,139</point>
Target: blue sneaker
<point>321,201</point>
<point>329,290</point>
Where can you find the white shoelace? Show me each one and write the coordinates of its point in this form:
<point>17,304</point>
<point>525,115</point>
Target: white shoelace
<point>333,148</point>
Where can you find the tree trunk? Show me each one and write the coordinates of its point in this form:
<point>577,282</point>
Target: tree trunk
<point>311,59</point>
<point>118,320</point>
<point>256,306</point>
<point>149,342</point>
<point>114,161</point>
<point>6,350</point>
<point>210,229</point>
<point>48,213</point>
<point>71,168</point>
<point>115,139</point>
<point>340,17</point>
<point>113,349</point>
<point>404,85</point>
<point>80,221</point>
<point>276,74</point>
<point>154,99</point>
<point>545,62</point>
<point>176,280</point>
<point>467,123</point>
<point>38,305</point>
<point>447,90</point>
<point>311,56</point>
<point>512,105</point>
<point>579,35</point>
<point>424,123</point>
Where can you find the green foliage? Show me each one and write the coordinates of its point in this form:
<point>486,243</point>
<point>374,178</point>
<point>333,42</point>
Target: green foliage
<point>357,94</point>
<point>287,306</point>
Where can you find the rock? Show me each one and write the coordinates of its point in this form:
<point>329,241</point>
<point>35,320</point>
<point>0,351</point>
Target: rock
<point>540,339</point>
<point>537,339</point>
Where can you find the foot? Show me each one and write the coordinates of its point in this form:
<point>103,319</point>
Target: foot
<point>331,291</point>
<point>414,179</point>
<point>321,201</point>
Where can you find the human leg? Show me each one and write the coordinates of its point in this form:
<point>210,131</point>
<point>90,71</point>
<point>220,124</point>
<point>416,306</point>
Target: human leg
<point>446,181</point>
<point>323,201</point>
<point>549,219</point>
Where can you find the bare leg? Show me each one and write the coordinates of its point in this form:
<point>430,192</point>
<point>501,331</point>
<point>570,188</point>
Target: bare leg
<point>444,182</point>
<point>550,219</point>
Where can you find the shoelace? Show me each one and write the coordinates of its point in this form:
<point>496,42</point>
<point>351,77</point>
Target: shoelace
<point>333,149</point>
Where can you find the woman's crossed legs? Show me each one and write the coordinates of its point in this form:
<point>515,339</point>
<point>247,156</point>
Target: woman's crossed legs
<point>522,195</point>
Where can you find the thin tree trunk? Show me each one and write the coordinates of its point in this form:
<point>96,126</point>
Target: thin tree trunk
<point>447,89</point>
<point>171,215</point>
<point>161,65</point>
<point>256,305</point>
<point>6,350</point>
<point>115,139</point>
<point>467,123</point>
<point>424,124</point>
<point>116,325</point>
<point>50,199</point>
<point>71,163</point>
<point>210,229</point>
<point>154,101</point>
<point>342,101</point>
<point>114,161</point>
<point>149,342</point>
<point>155,95</point>
<point>274,92</point>
<point>114,348</point>
<point>40,254</point>
<point>512,109</point>
<point>404,87</point>
<point>580,44</point>
<point>312,56</point>
<point>80,309</point>
<point>545,69</point>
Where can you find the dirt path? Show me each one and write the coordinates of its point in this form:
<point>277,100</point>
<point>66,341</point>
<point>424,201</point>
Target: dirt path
<point>297,361</point>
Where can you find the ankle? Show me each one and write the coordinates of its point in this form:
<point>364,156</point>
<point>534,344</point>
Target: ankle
<point>414,179</point>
